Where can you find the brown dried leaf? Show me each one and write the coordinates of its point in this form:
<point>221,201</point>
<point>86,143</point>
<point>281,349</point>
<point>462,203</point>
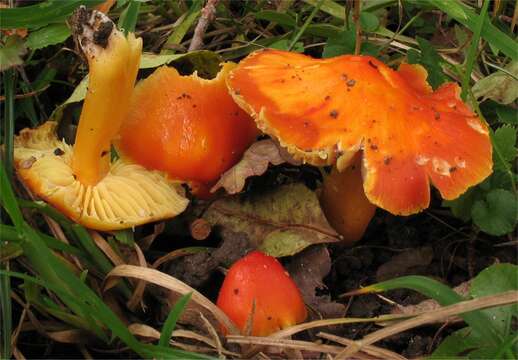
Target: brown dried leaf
<point>255,162</point>
<point>280,223</point>
<point>403,263</point>
<point>308,270</point>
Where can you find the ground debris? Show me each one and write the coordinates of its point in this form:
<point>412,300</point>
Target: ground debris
<point>405,263</point>
<point>308,270</point>
<point>255,162</point>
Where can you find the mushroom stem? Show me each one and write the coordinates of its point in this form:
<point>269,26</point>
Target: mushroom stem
<point>344,202</point>
<point>113,62</point>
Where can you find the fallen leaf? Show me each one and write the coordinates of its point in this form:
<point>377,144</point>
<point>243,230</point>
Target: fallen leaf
<point>499,86</point>
<point>280,223</point>
<point>49,35</point>
<point>255,162</point>
<point>308,270</point>
<point>401,264</point>
<point>11,52</point>
<point>196,269</point>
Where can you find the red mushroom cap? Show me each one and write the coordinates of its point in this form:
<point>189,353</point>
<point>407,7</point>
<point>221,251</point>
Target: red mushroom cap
<point>260,280</point>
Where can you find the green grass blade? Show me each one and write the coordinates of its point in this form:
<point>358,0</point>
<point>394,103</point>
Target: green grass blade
<point>46,209</point>
<point>304,27</point>
<point>97,255</point>
<point>5,312</point>
<point>129,17</point>
<point>178,34</point>
<point>469,18</point>
<point>473,50</point>
<point>9,86</point>
<point>507,348</point>
<point>39,15</point>
<point>330,7</point>
<point>172,318</point>
<point>439,292</point>
<point>9,78</point>
<point>9,233</point>
<point>75,232</point>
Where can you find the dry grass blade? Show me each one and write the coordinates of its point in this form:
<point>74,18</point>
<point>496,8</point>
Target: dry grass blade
<point>138,293</point>
<point>284,343</point>
<point>146,242</point>
<point>17,354</point>
<point>16,332</point>
<point>170,256</point>
<point>291,344</point>
<point>194,336</point>
<point>71,336</point>
<point>368,349</point>
<point>86,354</point>
<point>214,335</point>
<point>506,298</point>
<point>106,248</point>
<point>146,331</point>
<point>166,281</point>
<point>330,322</point>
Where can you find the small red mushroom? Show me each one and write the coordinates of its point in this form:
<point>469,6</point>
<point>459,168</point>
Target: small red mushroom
<point>258,284</point>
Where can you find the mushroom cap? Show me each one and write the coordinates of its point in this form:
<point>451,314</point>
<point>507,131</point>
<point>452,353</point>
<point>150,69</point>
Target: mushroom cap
<point>129,195</point>
<point>186,126</point>
<point>325,110</point>
<point>258,284</point>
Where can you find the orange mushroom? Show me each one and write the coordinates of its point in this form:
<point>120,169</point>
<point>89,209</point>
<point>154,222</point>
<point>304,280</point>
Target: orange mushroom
<point>81,181</point>
<point>325,110</point>
<point>186,126</point>
<point>258,292</point>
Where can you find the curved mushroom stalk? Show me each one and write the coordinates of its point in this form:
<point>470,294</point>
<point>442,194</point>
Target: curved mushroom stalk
<point>323,109</point>
<point>344,202</point>
<point>113,62</point>
<point>81,181</point>
<point>186,126</point>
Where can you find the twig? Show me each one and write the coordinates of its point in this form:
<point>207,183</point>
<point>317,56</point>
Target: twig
<point>207,16</point>
<point>358,28</point>
<point>509,297</point>
<point>26,95</point>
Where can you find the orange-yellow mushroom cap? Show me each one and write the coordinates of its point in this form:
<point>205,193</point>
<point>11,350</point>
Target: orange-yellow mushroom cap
<point>258,284</point>
<point>323,109</point>
<point>186,126</point>
<point>81,180</point>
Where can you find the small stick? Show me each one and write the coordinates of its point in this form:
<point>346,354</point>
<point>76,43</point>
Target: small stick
<point>26,95</point>
<point>207,16</point>
<point>356,18</point>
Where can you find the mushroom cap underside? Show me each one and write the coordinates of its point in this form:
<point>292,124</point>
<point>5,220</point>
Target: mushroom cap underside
<point>129,195</point>
<point>322,110</point>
